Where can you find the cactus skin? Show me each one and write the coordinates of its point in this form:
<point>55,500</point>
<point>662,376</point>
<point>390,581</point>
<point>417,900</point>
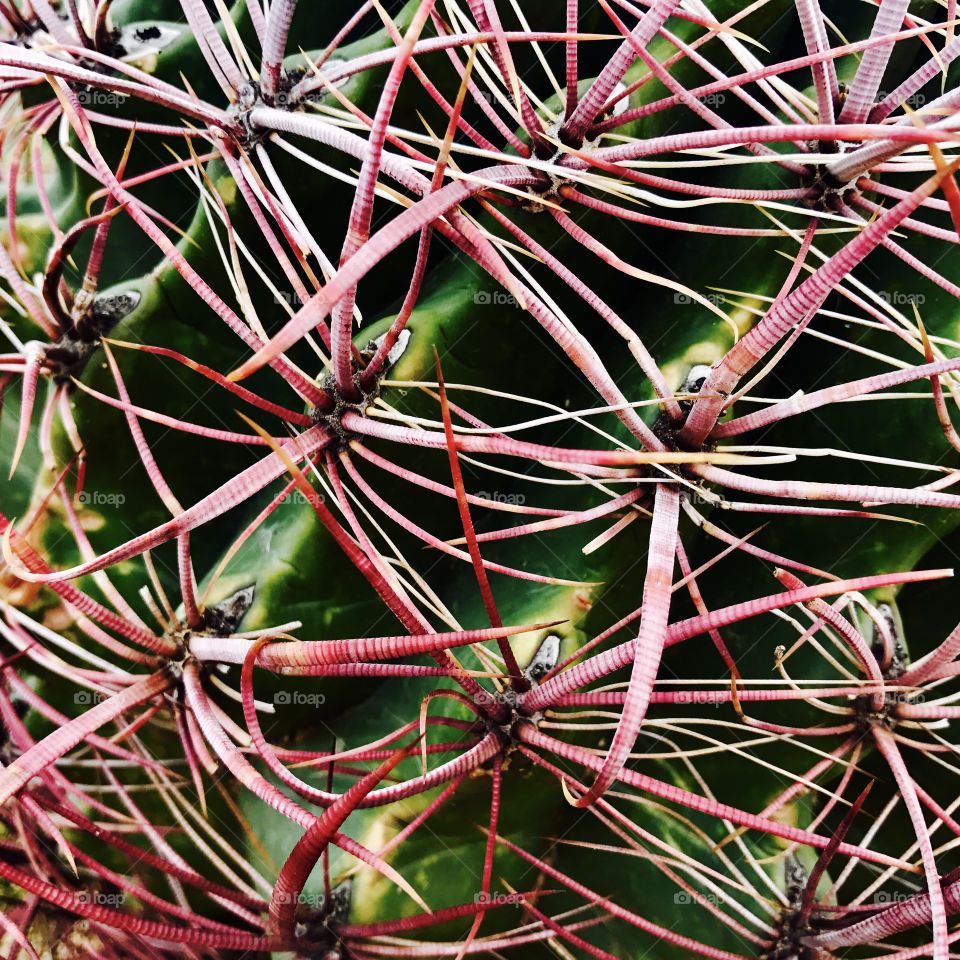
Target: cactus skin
<point>389,393</point>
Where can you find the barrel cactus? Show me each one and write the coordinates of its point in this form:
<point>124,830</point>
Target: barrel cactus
<point>479,479</point>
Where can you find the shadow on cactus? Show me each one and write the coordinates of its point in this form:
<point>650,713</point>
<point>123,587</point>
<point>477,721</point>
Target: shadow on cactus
<point>481,479</point>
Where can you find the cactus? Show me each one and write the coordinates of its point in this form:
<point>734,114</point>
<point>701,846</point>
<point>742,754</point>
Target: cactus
<point>479,479</point>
